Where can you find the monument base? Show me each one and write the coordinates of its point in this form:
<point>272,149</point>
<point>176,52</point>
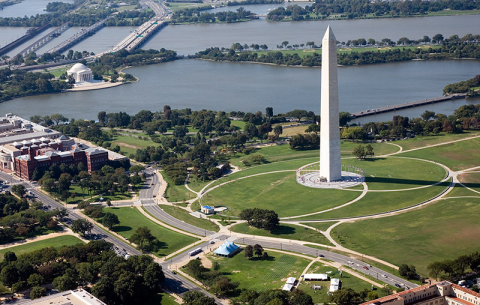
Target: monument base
<point>309,175</point>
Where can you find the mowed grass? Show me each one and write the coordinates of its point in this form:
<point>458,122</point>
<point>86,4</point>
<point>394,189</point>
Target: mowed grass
<point>322,226</point>
<point>347,281</point>
<point>392,173</point>
<point>471,180</point>
<point>177,193</point>
<point>286,231</point>
<point>129,145</point>
<point>261,274</point>
<point>183,215</point>
<point>131,219</point>
<point>423,141</point>
<point>460,191</point>
<point>440,231</point>
<point>379,202</point>
<point>457,156</point>
<point>56,242</point>
<point>279,192</point>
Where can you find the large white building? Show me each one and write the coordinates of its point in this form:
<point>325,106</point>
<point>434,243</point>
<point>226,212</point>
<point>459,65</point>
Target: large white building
<point>80,73</point>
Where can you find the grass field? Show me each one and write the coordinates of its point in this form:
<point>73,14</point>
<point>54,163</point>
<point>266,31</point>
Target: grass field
<point>277,191</point>
<point>322,226</point>
<point>397,173</point>
<point>183,215</point>
<point>130,144</point>
<point>260,274</point>
<point>56,242</point>
<point>422,141</point>
<point>286,231</point>
<point>457,156</point>
<point>347,281</point>
<point>239,124</point>
<point>177,193</point>
<point>59,71</point>
<point>161,298</point>
<point>471,180</point>
<point>378,202</point>
<point>443,230</point>
<point>131,219</point>
<point>460,191</point>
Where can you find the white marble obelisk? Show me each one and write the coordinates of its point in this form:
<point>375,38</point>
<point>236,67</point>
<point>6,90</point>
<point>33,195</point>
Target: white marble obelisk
<point>330,164</point>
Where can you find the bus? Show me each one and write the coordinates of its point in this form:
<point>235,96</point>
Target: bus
<point>194,252</point>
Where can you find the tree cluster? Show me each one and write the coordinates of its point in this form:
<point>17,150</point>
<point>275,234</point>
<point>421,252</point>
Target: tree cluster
<point>260,218</point>
<point>273,297</point>
<point>363,8</point>
<point>408,271</point>
<point>194,15</point>
<point>455,269</point>
<point>19,220</point>
<point>234,3</point>
<point>145,240</point>
<point>112,279</point>
<point>17,83</point>
<point>305,142</point>
<point>217,282</point>
<point>463,86</point>
<point>255,249</point>
<point>363,151</point>
<point>348,296</point>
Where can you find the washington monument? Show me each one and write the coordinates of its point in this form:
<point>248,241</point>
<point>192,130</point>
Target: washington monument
<point>330,164</point>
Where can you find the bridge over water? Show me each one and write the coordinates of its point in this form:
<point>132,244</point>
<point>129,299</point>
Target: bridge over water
<point>40,42</point>
<point>408,105</point>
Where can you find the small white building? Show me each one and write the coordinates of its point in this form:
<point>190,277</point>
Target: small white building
<point>291,280</point>
<point>80,73</point>
<point>287,287</point>
<point>206,209</point>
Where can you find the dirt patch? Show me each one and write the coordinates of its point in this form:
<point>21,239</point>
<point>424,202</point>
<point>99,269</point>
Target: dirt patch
<point>128,145</point>
<point>469,178</point>
<point>205,261</point>
<point>345,49</point>
<point>386,48</point>
<point>309,51</point>
<point>236,271</point>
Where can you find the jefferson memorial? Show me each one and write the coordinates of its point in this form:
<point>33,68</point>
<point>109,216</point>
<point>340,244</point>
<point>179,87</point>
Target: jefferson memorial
<point>80,73</point>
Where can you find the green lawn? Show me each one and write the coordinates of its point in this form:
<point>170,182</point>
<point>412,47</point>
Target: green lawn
<point>177,193</point>
<point>397,173</point>
<point>130,144</point>
<point>378,202</point>
<point>457,156</point>
<point>276,191</point>
<point>183,215</point>
<point>131,219</point>
<point>471,180</point>
<point>197,185</point>
<point>347,281</point>
<point>459,190</point>
<point>161,298</point>
<point>239,124</point>
<point>56,242</point>
<point>286,231</point>
<point>322,226</point>
<point>422,141</point>
<point>440,231</point>
<point>58,72</point>
<point>260,274</point>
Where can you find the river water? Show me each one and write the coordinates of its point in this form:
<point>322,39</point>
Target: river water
<point>27,8</point>
<point>226,86</point>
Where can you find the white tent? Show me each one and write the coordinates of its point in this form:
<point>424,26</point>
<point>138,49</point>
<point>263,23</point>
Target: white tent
<point>315,277</point>
<point>291,280</point>
<point>287,287</point>
<point>334,283</point>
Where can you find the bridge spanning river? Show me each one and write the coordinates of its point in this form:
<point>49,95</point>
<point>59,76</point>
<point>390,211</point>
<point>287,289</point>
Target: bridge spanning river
<point>40,42</point>
<point>408,105</point>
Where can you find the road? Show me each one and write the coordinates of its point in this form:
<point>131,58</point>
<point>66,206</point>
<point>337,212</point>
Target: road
<point>173,282</point>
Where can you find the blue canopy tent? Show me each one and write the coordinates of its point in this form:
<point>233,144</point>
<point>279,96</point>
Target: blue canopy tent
<point>227,249</point>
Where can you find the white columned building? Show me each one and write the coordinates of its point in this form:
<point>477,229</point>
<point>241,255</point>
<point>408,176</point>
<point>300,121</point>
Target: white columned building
<point>80,73</point>
<point>330,163</point>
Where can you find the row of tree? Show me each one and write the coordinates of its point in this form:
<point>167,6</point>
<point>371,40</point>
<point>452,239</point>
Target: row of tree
<point>93,266</point>
<point>455,269</point>
<point>194,15</point>
<point>449,50</point>
<point>363,8</point>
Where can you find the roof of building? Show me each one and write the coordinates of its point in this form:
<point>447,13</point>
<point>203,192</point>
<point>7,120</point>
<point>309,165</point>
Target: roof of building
<point>64,154</point>
<point>78,67</point>
<point>316,276</point>
<point>64,137</point>
<point>226,248</point>
<point>207,207</point>
<point>71,297</point>
<point>466,290</point>
<point>41,158</point>
<point>51,153</point>
<point>95,151</point>
<point>24,157</point>
<point>335,281</point>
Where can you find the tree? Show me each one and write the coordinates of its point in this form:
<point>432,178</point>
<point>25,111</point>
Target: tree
<point>9,275</point>
<point>259,218</point>
<point>57,118</point>
<point>110,220</point>
<point>153,276</point>
<point>102,117</point>
<point>250,130</point>
<point>300,298</point>
<point>345,117</point>
<point>248,252</point>
<point>37,292</point>
<point>82,226</point>
<point>195,267</point>
<point>434,269</point>
<point>19,189</point>
<point>345,296</point>
<point>258,250</point>
<point>67,281</point>
<point>265,255</point>
<point>428,115</point>
<point>9,256</point>
<point>369,150</point>
<point>269,112</point>
<point>145,240</point>
<point>194,297</point>
<point>278,130</point>
<point>359,152</point>
<point>313,128</point>
<point>409,272</point>
<point>35,279</point>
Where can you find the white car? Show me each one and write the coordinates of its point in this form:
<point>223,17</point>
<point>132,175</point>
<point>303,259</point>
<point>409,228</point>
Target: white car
<point>384,275</point>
